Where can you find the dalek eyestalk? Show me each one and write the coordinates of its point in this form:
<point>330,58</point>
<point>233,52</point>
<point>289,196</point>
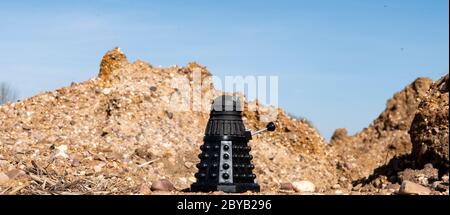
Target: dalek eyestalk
<point>225,160</point>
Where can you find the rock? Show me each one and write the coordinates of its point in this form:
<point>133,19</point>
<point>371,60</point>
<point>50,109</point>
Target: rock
<point>380,181</point>
<point>338,192</point>
<point>429,130</point>
<point>441,186</point>
<point>339,135</point>
<point>15,173</point>
<point>411,188</point>
<point>192,179</point>
<point>303,186</point>
<point>336,186</point>
<point>162,185</point>
<point>169,114</point>
<point>112,60</point>
<point>422,176</point>
<point>144,153</point>
<point>114,156</point>
<point>75,162</point>
<point>188,164</point>
<point>435,184</point>
<point>99,157</point>
<point>3,178</point>
<point>61,152</point>
<point>106,91</point>
<point>286,186</point>
<point>98,168</point>
<point>393,187</point>
<point>144,189</point>
<point>343,179</point>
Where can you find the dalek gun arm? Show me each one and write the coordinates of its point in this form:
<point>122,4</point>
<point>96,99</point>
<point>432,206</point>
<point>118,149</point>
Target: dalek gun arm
<point>270,127</point>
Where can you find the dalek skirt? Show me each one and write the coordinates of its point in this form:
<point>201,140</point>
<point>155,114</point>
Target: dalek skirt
<point>225,159</point>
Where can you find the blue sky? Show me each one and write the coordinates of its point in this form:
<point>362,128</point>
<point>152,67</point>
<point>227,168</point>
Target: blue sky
<point>337,61</point>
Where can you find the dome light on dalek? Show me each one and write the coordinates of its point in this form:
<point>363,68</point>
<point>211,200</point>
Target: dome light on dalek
<point>225,159</point>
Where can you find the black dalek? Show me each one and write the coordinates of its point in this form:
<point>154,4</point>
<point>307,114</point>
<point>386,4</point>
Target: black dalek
<point>225,161</point>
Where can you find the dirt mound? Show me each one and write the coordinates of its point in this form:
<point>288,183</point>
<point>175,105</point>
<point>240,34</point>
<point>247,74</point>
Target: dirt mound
<point>358,155</point>
<point>117,133</point>
<point>132,125</point>
<point>400,109</point>
<point>429,129</point>
<point>426,167</point>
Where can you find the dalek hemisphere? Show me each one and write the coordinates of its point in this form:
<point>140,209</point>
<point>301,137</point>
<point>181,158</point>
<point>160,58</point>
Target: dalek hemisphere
<point>225,159</point>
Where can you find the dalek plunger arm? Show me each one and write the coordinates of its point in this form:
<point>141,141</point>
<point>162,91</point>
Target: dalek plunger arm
<point>270,127</point>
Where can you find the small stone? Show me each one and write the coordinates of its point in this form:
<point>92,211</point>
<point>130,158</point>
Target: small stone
<point>357,187</point>
<point>153,88</point>
<point>183,180</point>
<point>111,61</point>
<point>349,186</point>
<point>62,151</point>
<point>12,174</point>
<point>192,179</point>
<point>422,180</point>
<point>380,181</point>
<point>354,193</point>
<point>169,114</point>
<point>115,156</point>
<point>162,185</point>
<point>411,188</point>
<point>144,189</point>
<point>394,187</point>
<point>336,186</point>
<point>143,153</point>
<point>99,157</point>
<point>188,164</point>
<point>98,168</point>
<point>428,166</point>
<point>75,162</point>
<point>304,186</point>
<point>3,178</point>
<point>435,184</point>
<point>106,91</point>
<point>286,186</point>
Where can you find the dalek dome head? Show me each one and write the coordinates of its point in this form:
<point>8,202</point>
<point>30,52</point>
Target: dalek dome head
<point>227,104</point>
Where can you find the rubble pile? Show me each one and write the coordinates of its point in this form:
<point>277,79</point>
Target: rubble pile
<point>424,169</point>
<point>124,130</point>
<point>386,137</point>
<point>429,129</point>
<point>131,130</point>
